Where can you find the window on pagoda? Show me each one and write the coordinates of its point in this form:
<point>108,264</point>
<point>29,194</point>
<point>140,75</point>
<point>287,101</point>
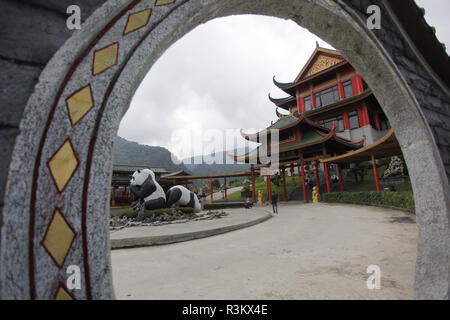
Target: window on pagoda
<point>353,119</point>
<point>365,86</point>
<point>327,96</point>
<point>328,123</point>
<point>348,89</point>
<point>384,122</point>
<point>372,120</point>
<point>308,104</point>
<point>286,135</point>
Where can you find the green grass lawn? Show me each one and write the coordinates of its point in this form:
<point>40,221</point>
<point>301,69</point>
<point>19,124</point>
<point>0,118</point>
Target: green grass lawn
<point>262,185</point>
<point>235,183</point>
<point>369,182</point>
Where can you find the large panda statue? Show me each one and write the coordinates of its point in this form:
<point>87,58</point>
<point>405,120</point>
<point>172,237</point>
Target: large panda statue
<point>183,197</point>
<point>147,191</point>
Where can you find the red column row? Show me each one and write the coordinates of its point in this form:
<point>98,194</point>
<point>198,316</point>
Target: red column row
<point>253,185</point>
<point>305,196</point>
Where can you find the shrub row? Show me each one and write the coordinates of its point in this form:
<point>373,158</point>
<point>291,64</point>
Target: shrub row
<point>373,198</point>
<point>130,213</point>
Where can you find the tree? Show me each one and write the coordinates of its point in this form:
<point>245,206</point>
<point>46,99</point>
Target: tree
<point>276,179</point>
<point>358,171</point>
<point>216,183</point>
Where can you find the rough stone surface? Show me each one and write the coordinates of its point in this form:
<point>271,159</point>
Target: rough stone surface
<point>416,106</point>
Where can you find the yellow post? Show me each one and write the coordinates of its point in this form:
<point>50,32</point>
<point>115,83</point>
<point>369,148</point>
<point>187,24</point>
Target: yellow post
<point>260,197</point>
<point>316,195</point>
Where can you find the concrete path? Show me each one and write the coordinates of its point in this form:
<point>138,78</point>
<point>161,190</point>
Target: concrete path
<point>220,196</point>
<point>171,233</point>
<point>309,251</point>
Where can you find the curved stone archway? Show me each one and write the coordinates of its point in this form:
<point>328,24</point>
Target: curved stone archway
<point>57,201</point>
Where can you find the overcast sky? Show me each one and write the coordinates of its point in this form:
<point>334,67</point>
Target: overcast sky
<point>219,75</point>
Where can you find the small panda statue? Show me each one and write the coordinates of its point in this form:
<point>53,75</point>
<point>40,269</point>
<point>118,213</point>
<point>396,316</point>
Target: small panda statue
<point>144,187</point>
<point>183,197</point>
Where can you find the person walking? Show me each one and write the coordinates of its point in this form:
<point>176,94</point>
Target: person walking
<point>274,199</point>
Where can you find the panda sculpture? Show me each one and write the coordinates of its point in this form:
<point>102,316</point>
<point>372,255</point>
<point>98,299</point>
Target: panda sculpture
<point>183,197</point>
<point>147,191</point>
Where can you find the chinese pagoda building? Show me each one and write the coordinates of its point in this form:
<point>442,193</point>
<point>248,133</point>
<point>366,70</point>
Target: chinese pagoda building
<point>329,111</point>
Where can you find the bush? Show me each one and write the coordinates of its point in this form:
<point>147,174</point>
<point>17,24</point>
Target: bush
<point>130,213</point>
<point>373,198</point>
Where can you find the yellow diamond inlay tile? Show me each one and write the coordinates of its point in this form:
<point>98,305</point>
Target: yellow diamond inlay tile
<point>62,165</point>
<point>58,238</point>
<point>105,58</point>
<point>79,104</point>
<point>163,2</point>
<point>62,294</point>
<point>137,20</point>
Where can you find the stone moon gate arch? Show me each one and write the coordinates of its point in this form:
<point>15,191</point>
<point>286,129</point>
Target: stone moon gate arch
<point>57,200</point>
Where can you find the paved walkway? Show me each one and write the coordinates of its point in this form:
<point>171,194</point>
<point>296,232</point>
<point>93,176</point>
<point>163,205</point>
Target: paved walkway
<point>309,251</point>
<point>171,233</point>
<point>220,196</point>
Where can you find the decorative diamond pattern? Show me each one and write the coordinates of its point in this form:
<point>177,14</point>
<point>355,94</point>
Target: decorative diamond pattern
<point>163,2</point>
<point>79,104</point>
<point>58,239</point>
<point>62,165</point>
<point>105,58</point>
<point>62,294</point>
<point>137,21</point>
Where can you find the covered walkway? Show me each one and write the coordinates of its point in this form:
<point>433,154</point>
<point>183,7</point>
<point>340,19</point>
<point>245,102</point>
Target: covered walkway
<point>387,146</point>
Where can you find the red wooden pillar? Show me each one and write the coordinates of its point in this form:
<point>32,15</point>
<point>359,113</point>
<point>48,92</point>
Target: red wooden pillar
<point>284,185</point>
<point>341,180</point>
<point>355,86</point>
<point>212,190</point>
<point>269,187</point>
<point>365,113</point>
<point>359,82</point>
<point>346,120</point>
<point>327,177</point>
<point>299,105</point>
<point>305,196</point>
<point>375,172</point>
<point>253,185</point>
<point>313,100</point>
<point>225,183</point>
<point>341,90</point>
<point>316,171</point>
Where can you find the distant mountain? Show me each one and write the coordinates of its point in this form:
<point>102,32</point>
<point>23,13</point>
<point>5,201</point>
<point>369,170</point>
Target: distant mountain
<point>204,165</point>
<point>133,153</point>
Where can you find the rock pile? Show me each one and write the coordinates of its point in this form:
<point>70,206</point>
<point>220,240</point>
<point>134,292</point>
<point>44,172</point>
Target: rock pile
<point>395,168</point>
<point>159,219</point>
